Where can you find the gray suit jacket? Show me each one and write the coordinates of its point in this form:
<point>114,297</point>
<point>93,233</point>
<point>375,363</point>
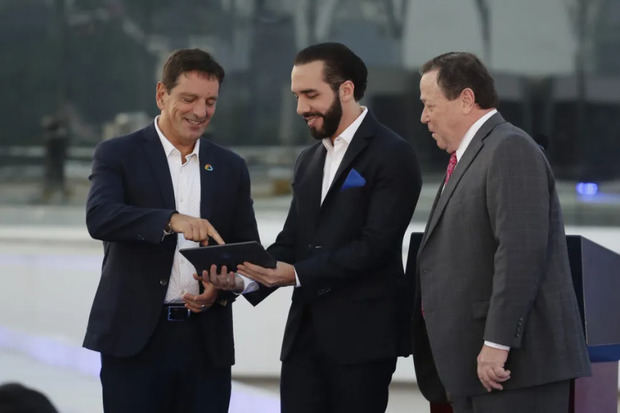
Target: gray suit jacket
<point>493,265</point>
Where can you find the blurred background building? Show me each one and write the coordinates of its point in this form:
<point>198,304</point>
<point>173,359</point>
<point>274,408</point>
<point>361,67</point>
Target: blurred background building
<point>75,72</point>
<point>93,64</point>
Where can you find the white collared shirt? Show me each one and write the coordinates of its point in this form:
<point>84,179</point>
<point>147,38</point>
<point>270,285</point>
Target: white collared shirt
<point>186,185</point>
<point>469,135</point>
<point>336,151</point>
<point>187,189</point>
<point>471,132</point>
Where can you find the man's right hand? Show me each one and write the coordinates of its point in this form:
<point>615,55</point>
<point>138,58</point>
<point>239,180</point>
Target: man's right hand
<point>194,229</point>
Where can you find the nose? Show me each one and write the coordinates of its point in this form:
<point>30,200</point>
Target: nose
<point>302,107</point>
<point>200,109</point>
<point>424,116</point>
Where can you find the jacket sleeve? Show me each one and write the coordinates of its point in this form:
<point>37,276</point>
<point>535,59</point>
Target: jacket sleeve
<point>283,249</point>
<point>108,215</point>
<point>518,197</point>
<point>245,227</point>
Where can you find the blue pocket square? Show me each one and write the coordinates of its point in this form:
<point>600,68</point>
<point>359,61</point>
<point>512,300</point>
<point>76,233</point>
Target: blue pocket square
<point>354,180</point>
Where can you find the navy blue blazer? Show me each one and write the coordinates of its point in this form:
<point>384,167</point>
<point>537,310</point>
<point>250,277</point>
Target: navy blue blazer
<point>347,251</point>
<point>130,202</point>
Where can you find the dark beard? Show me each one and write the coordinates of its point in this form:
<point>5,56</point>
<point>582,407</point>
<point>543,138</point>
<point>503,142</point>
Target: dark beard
<point>331,120</point>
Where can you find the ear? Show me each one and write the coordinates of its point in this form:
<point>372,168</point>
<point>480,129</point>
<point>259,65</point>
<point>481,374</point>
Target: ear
<point>160,93</point>
<point>468,99</point>
<point>346,91</point>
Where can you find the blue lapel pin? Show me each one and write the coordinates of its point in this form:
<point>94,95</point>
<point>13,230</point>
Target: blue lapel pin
<point>208,167</point>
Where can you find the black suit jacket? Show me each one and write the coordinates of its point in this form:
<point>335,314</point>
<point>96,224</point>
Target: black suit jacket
<point>130,201</point>
<point>347,251</point>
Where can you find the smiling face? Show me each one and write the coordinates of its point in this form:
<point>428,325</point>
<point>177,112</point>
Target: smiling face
<point>187,108</point>
<point>317,102</point>
<point>445,119</point>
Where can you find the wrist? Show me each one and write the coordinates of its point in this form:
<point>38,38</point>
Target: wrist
<point>168,229</point>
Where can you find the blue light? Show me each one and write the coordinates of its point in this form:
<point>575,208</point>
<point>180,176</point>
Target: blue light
<point>587,188</point>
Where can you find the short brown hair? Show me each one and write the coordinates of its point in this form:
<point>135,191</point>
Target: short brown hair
<point>461,70</point>
<point>189,60</point>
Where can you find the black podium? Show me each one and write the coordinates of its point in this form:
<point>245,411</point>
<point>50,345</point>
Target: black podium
<point>596,278</point>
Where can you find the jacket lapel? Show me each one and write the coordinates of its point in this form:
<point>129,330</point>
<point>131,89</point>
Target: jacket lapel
<point>359,142</point>
<point>309,186</point>
<point>159,166</point>
<point>470,154</point>
<point>208,178</point>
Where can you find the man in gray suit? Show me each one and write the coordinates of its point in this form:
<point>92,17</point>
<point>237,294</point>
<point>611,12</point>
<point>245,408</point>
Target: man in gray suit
<point>496,326</point>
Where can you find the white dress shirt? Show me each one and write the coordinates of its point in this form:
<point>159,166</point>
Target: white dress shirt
<point>469,135</point>
<point>471,132</point>
<point>336,151</point>
<point>186,184</point>
<point>185,174</point>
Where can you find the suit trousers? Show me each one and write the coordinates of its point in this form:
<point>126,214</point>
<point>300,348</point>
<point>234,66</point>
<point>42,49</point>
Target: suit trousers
<point>171,374</point>
<point>546,398</point>
<point>312,382</point>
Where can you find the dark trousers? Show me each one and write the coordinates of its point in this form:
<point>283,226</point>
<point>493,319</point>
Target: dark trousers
<point>546,398</point>
<point>170,375</point>
<point>312,382</point>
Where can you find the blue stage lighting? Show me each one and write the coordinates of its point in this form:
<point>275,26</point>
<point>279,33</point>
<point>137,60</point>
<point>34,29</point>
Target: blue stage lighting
<point>587,188</point>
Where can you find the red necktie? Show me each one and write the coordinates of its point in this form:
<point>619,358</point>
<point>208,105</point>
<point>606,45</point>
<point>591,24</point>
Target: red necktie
<point>450,168</point>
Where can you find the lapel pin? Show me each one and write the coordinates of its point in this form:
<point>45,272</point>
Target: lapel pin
<point>208,167</point>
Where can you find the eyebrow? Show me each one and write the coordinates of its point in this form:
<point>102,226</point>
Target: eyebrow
<point>193,95</point>
<point>306,91</point>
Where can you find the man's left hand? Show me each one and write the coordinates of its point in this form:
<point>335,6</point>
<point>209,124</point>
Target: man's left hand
<point>222,280</point>
<point>200,302</point>
<point>491,371</point>
<point>283,274</point>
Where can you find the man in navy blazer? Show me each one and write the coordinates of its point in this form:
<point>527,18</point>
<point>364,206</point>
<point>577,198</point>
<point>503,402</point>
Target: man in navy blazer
<point>166,340</point>
<point>354,193</point>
